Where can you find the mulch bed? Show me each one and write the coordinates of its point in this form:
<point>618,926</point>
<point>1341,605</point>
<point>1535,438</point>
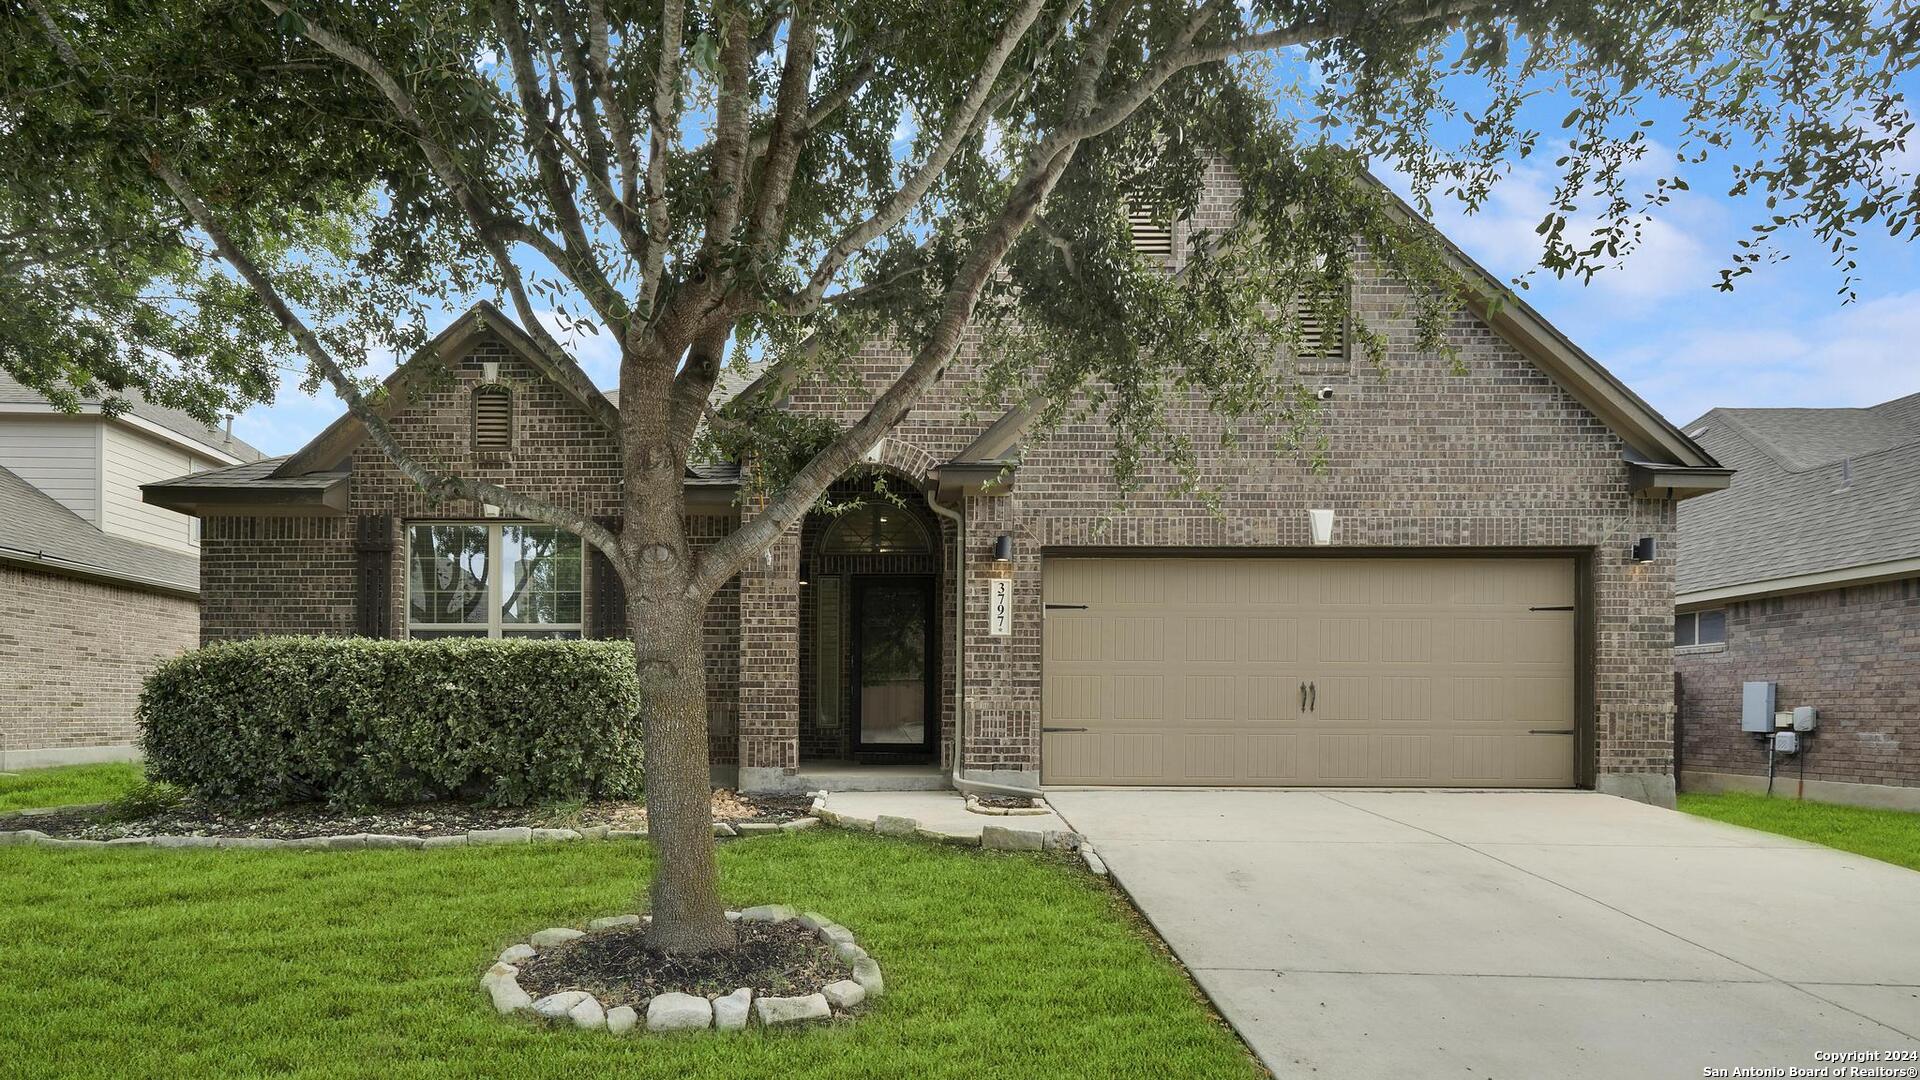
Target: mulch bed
<point>1005,802</point>
<point>616,966</point>
<point>195,818</point>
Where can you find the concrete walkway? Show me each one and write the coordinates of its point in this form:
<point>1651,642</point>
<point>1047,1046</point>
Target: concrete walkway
<point>938,815</point>
<point>1524,935</point>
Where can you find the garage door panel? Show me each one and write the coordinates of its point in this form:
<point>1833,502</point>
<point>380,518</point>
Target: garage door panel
<point>1425,671</point>
<point>1269,641</point>
<point>1272,758</point>
<point>1341,699</point>
<point>1210,698</point>
<point>1211,759</point>
<point>1342,640</point>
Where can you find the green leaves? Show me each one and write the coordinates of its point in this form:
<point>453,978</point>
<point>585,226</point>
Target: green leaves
<point>355,720</point>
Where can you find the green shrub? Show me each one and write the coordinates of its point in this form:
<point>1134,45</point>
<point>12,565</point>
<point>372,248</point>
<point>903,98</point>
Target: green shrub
<point>150,799</point>
<point>360,721</point>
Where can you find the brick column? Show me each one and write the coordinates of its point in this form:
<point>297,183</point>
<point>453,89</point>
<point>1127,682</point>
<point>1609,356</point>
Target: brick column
<point>770,667</point>
<point>1003,673</point>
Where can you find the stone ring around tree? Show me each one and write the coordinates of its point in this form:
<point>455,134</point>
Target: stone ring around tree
<point>564,956</point>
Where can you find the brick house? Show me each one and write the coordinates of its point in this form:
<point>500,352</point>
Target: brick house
<point>96,586</point>
<point>1473,614</point>
<point>1806,573</point>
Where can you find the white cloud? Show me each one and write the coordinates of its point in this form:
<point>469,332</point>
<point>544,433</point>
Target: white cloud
<point>1861,354</point>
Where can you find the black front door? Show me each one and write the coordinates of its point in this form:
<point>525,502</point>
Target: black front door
<point>893,668</point>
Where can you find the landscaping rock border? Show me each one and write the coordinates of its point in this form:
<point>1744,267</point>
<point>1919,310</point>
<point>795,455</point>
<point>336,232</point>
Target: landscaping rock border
<point>517,834</point>
<point>675,1011</point>
<point>991,837</point>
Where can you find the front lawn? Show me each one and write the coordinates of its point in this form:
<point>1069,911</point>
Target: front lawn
<point>1889,835</point>
<point>143,962</point>
<point>67,785</point>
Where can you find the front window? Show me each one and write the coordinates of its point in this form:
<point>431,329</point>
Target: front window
<point>1700,628</point>
<point>492,580</point>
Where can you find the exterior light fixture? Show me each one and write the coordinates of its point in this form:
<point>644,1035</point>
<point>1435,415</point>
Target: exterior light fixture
<point>1003,548</point>
<point>1643,549</point>
<point>1320,523</point>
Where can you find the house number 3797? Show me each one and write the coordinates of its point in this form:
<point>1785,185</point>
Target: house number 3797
<point>1000,607</point>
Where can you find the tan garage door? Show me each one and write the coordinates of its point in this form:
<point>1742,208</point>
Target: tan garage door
<point>1340,672</point>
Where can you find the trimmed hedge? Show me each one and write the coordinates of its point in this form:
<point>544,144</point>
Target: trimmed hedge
<point>363,721</point>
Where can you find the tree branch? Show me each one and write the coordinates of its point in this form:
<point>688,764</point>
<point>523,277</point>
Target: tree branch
<point>435,483</point>
<point>790,122</point>
<point>721,561</point>
<point>660,121</point>
<point>897,206</point>
<point>577,258</point>
<point>478,210</point>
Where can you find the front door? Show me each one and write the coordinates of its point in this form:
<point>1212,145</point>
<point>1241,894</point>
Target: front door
<point>893,665</point>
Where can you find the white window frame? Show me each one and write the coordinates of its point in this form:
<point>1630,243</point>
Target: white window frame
<point>1696,644</point>
<point>495,626</point>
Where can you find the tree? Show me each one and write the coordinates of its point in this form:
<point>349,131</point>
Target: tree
<point>793,178</point>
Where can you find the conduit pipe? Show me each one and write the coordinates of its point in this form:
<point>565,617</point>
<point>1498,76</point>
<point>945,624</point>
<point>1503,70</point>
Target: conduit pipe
<point>961,783</point>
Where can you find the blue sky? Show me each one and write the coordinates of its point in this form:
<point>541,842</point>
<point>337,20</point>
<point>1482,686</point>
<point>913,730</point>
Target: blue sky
<point>1781,338</point>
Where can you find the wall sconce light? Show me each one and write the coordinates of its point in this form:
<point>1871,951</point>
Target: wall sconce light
<point>1003,548</point>
<point>1320,523</point>
<point>1643,549</point>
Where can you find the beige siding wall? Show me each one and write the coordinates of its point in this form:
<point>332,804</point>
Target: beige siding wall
<point>60,455</point>
<point>131,459</point>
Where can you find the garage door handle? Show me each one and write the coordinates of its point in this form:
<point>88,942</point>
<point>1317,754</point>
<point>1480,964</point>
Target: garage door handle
<point>1303,695</point>
<point>1055,730</point>
<point>1549,731</point>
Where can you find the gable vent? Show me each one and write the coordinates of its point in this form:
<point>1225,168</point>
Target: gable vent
<point>1323,344</point>
<point>1150,238</point>
<point>492,418</point>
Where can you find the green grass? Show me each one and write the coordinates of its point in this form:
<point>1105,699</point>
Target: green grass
<point>66,785</point>
<point>164,963</point>
<point>1889,835</point>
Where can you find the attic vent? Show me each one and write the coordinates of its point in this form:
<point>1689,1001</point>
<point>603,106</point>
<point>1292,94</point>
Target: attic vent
<point>1323,344</point>
<point>1150,237</point>
<point>492,418</point>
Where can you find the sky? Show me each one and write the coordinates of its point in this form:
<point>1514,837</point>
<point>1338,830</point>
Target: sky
<point>1782,337</point>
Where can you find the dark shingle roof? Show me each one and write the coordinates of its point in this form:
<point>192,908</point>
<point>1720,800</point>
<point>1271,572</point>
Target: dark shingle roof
<point>250,474</point>
<point>1816,490</point>
<point>13,392</point>
<point>35,530</point>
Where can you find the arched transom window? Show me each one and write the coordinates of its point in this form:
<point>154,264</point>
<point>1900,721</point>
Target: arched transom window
<point>875,527</point>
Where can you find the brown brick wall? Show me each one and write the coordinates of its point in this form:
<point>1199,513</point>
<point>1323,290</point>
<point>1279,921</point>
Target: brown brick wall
<point>1853,653</point>
<point>295,575</point>
<point>73,655</point>
<point>275,575</point>
<point>1421,454</point>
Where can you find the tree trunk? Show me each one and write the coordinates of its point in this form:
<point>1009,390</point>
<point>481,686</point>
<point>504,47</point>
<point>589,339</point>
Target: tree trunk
<point>687,913</point>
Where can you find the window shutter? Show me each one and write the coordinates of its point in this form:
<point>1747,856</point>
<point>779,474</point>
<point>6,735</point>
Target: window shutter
<point>373,566</point>
<point>1150,238</point>
<point>609,595</point>
<point>492,418</point>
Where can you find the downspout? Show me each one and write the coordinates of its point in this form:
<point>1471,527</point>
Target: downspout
<point>960,783</point>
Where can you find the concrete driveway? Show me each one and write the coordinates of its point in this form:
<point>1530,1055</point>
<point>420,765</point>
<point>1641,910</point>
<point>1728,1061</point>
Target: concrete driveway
<point>1524,935</point>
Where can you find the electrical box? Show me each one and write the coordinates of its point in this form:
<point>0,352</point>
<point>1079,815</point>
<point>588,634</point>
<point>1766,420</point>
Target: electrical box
<point>1805,718</point>
<point>1786,742</point>
<point>1783,721</point>
<point>1756,707</point>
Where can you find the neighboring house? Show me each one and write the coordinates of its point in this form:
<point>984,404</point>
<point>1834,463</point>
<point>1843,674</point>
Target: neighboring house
<point>1806,573</point>
<point>1477,618</point>
<point>96,585</point>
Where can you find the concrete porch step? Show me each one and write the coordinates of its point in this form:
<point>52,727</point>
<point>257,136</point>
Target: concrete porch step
<point>853,776</point>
